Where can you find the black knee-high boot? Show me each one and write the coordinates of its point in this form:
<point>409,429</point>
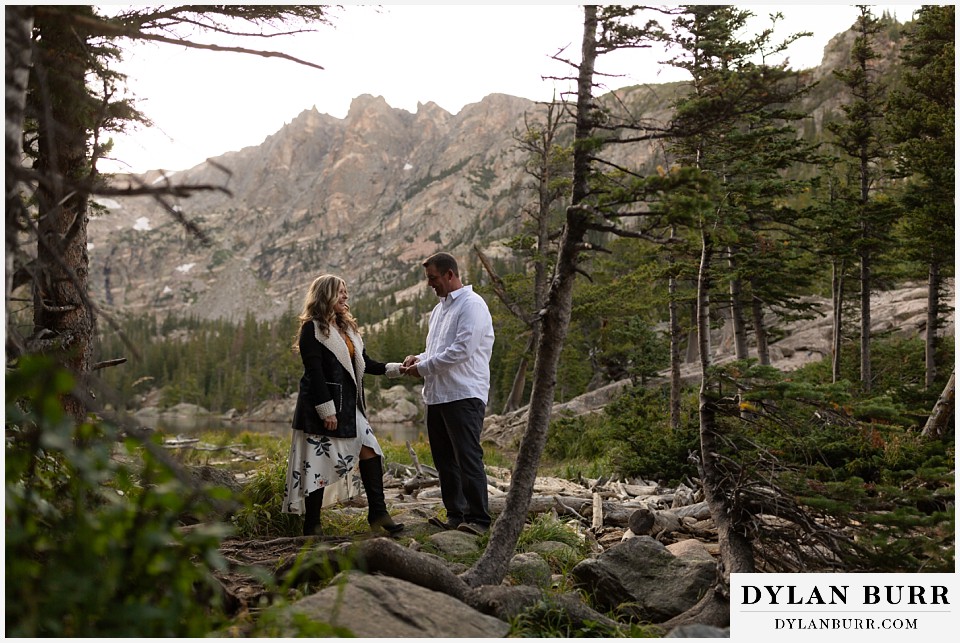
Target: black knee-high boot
<point>371,473</point>
<point>311,515</point>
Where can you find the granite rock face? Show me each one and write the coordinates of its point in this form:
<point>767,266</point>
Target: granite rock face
<point>367,197</point>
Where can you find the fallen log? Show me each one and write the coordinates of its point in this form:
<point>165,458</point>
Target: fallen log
<point>414,485</point>
<point>640,490</point>
<point>569,510</point>
<point>543,504</point>
<point>698,510</point>
<point>618,515</point>
<point>416,460</point>
<point>177,443</point>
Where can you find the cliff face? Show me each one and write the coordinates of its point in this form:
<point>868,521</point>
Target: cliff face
<point>367,197</point>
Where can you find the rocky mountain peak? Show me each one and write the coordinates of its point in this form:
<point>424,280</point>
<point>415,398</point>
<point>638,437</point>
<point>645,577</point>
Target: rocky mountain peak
<point>367,196</point>
<point>368,106</point>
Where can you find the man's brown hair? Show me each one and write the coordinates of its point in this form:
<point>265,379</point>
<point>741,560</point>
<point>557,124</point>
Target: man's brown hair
<point>443,262</point>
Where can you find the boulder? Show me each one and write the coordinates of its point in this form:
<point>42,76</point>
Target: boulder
<point>371,606</point>
<point>275,410</point>
<point>505,430</point>
<point>397,405</point>
<point>184,410</point>
<point>455,543</point>
<point>641,579</point>
<point>147,416</point>
<point>530,569</point>
<point>552,550</point>
<point>690,549</point>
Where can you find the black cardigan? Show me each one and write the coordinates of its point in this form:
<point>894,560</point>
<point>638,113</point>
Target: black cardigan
<point>330,381</point>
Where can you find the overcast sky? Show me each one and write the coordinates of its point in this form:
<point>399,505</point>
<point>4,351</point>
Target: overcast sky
<point>204,104</point>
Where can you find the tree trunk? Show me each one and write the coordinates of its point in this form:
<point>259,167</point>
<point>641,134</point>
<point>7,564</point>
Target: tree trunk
<point>736,311</point>
<point>515,397</point>
<point>713,609</point>
<point>736,552</point>
<point>933,320</point>
<point>866,376</point>
<point>492,566</point>
<point>547,195</point>
<point>60,309</point>
<point>763,348</point>
<point>676,384</point>
<point>17,54</point>
<point>836,293</point>
<point>942,411</point>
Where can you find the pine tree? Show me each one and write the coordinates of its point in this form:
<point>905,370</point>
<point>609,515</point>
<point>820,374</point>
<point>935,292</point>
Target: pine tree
<point>733,132</point>
<point>554,320</point>
<point>922,124</point>
<point>834,240</point>
<point>861,137</point>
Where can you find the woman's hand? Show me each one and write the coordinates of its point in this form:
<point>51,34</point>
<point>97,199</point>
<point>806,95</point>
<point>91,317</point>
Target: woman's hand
<point>330,423</point>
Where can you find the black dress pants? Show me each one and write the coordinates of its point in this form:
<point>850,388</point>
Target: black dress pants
<point>453,429</point>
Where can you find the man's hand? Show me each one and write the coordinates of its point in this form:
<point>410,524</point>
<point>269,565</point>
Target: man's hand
<point>410,366</point>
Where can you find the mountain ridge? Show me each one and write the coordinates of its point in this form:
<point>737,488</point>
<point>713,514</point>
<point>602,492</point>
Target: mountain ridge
<point>368,197</point>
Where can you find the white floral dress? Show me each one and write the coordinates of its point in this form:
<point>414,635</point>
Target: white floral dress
<point>318,461</point>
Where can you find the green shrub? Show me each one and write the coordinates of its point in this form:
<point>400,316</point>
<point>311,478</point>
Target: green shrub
<point>92,545</point>
<point>262,513</point>
<point>575,438</point>
<point>648,447</point>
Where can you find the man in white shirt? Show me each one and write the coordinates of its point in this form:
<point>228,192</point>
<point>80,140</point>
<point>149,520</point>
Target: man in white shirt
<point>456,382</point>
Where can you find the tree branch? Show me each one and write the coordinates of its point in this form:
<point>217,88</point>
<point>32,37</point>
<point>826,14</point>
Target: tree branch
<point>500,288</point>
<point>104,28</point>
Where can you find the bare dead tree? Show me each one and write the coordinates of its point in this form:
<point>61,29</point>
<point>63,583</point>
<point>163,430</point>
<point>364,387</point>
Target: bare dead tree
<point>547,165</point>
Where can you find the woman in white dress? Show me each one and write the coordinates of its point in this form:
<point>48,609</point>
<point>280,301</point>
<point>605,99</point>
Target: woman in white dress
<point>331,434</point>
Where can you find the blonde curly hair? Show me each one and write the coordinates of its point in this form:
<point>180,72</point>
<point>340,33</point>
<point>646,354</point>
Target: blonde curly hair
<point>318,305</point>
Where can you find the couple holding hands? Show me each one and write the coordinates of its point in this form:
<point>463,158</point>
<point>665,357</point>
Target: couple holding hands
<point>331,433</point>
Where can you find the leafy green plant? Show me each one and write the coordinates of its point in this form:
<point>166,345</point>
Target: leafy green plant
<point>92,545</point>
<point>648,447</point>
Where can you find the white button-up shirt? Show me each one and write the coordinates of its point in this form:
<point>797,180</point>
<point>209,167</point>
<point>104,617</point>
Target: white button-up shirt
<point>456,364</point>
